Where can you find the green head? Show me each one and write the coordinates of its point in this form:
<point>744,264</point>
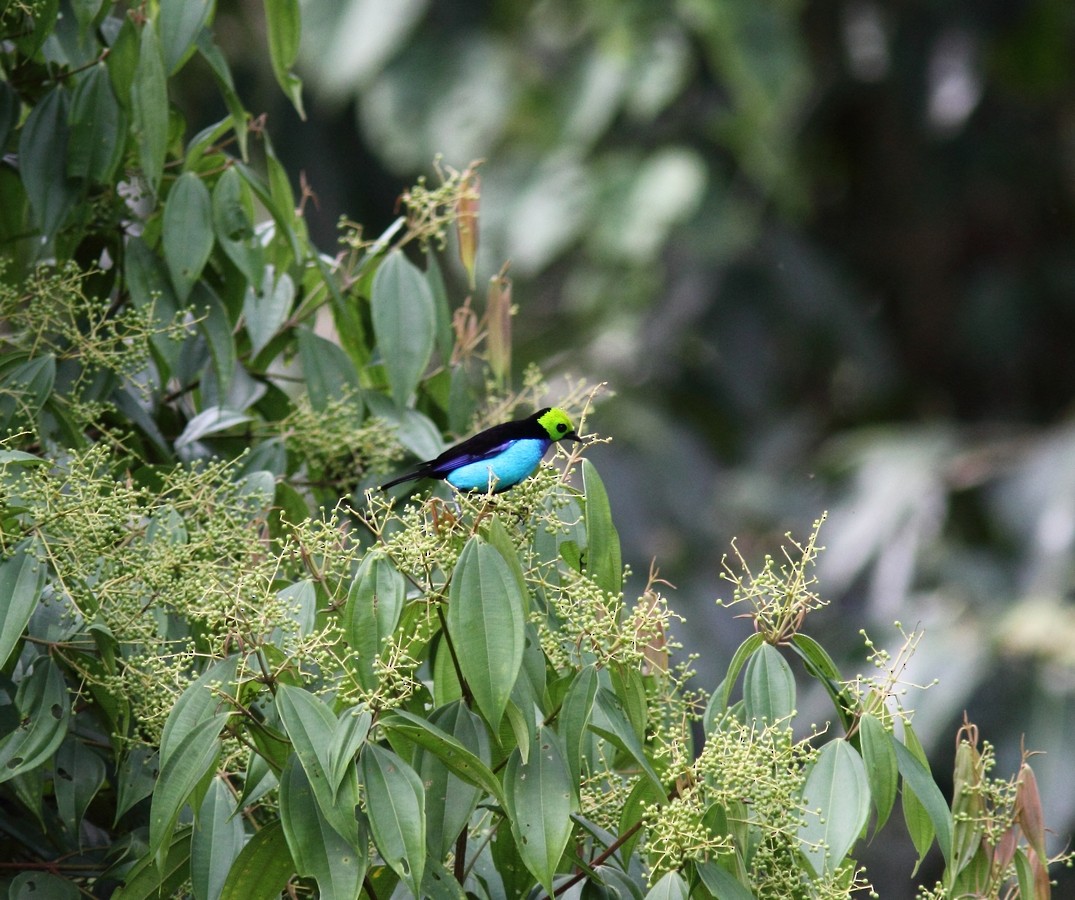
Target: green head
<point>557,424</point>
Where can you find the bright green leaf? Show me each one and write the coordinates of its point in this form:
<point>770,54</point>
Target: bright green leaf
<point>540,801</point>
<point>149,102</point>
<point>487,626</point>
<point>188,232</point>
<point>769,687</point>
<point>374,604</point>
<point>284,21</point>
<point>920,788</point>
<point>234,229</point>
<point>603,560</point>
<point>98,128</point>
<point>395,803</point>
<point>319,851</point>
<point>671,886</point>
<point>881,769</point>
<point>263,868</point>
<point>609,720</point>
<point>216,841</point>
<point>22,576</point>
<point>43,147</point>
<point>836,806</point>
<point>44,711</point>
<point>180,24</point>
<point>330,373</point>
<point>404,322</point>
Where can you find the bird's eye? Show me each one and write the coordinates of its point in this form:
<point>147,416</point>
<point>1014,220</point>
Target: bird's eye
<point>561,427</point>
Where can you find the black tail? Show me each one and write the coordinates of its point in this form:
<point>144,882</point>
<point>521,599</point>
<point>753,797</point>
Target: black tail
<point>410,476</point>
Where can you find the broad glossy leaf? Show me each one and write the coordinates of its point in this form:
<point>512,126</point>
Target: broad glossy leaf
<point>149,102</point>
<point>136,778</point>
<point>609,720</point>
<point>575,716</point>
<point>374,604</point>
<point>881,769</point>
<point>310,724</point>
<point>263,868</point>
<point>180,24</point>
<point>540,801</point>
<point>192,758</point>
<point>43,148</point>
<point>284,22</point>
<point>216,842</point>
<point>330,373</point>
<point>487,625</point>
<point>603,560</point>
<point>226,85</point>
<point>461,759</point>
<point>22,576</point>
<point>404,323</point>
<point>98,128</point>
<point>769,687</point>
<point>720,882</point>
<point>451,799</point>
<point>395,803</point>
<point>352,728</point>
<point>671,886</point>
<point>187,232</point>
<point>44,711</point>
<point>319,851</point>
<point>200,701</point>
<point>836,803</point>
<point>718,703</point>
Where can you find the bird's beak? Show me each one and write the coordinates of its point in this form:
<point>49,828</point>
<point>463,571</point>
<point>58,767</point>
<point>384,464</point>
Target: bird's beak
<point>572,436</point>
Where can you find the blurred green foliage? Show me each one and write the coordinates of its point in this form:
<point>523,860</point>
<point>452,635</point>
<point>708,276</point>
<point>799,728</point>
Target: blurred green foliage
<point>821,253</point>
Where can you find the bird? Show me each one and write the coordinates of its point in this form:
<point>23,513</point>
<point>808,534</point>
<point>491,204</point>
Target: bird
<point>498,458</point>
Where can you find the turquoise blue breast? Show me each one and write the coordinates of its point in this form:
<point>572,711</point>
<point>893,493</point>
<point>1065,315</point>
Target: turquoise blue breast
<point>507,468</point>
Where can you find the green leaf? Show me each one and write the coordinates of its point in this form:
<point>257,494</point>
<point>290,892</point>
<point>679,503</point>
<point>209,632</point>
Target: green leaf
<point>374,604</point>
<point>149,879</point>
<point>457,742</point>
<point>137,778</point>
<point>33,885</point>
<point>195,754</point>
<point>395,803</point>
<point>149,102</point>
<point>718,703</point>
<point>226,85</point>
<point>180,24</point>
<point>78,773</point>
<point>187,232</point>
<point>603,561</point>
<point>199,702</point>
<point>352,729</point>
<point>820,665</point>
<point>881,769</point>
<point>671,886</point>
<point>330,373</point>
<point>284,21</point>
<point>574,716</point>
<point>920,788</point>
<point>540,801</point>
<point>769,687</point>
<point>404,323</point>
<point>487,625</point>
<point>215,325</point>
<point>216,841</point>
<point>721,883</point>
<point>609,720</point>
<point>836,806</point>
<point>234,229</point>
<point>311,725</point>
<point>98,128</point>
<point>44,711</point>
<point>459,759</point>
<point>266,308</point>
<point>263,868</point>
<point>22,576</point>
<point>43,148</point>
<point>25,387</point>
<point>318,849</point>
